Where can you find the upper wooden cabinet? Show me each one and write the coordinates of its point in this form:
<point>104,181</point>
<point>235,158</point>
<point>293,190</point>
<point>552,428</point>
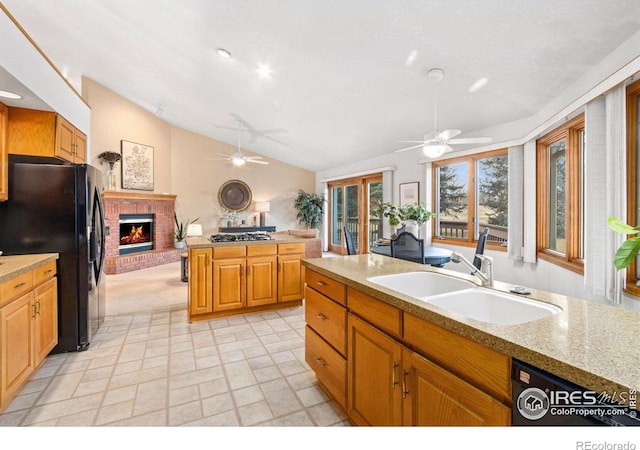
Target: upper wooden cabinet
<point>4,163</point>
<point>44,133</point>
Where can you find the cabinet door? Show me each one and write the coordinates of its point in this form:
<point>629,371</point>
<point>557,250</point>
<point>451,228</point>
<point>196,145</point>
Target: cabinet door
<point>262,281</point>
<point>374,373</point>
<point>436,397</point>
<point>46,319</point>
<point>65,139</point>
<point>4,161</point>
<point>290,282</point>
<point>200,281</point>
<point>80,149</point>
<point>16,339</point>
<point>228,284</point>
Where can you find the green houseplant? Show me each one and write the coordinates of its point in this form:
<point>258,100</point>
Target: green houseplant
<point>181,230</point>
<point>310,208</point>
<point>630,248</point>
<point>399,214</point>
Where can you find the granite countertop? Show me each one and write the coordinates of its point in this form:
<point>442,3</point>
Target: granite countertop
<point>12,266</point>
<point>590,344</point>
<point>204,242</point>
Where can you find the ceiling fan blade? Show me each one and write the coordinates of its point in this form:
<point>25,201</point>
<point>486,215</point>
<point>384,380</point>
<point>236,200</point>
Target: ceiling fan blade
<point>409,142</point>
<point>226,156</point>
<point>256,161</point>
<point>272,131</point>
<point>253,157</point>
<point>447,148</point>
<point>409,148</point>
<point>447,134</point>
<point>476,140</point>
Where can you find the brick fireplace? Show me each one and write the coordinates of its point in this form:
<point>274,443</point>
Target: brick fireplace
<point>160,207</point>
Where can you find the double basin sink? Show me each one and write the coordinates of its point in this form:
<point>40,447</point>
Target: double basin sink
<point>465,298</point>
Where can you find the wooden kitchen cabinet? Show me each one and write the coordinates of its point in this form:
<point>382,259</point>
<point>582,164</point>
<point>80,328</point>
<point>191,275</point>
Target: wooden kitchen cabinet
<point>4,154</point>
<point>290,272</point>
<point>44,133</point>
<point>200,281</point>
<point>374,366</point>
<point>28,326</point>
<point>243,278</point>
<point>435,397</point>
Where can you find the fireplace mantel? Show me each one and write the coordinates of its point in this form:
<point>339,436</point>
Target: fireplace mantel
<point>121,195</point>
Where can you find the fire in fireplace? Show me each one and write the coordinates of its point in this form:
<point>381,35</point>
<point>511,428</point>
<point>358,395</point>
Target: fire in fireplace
<point>136,233</point>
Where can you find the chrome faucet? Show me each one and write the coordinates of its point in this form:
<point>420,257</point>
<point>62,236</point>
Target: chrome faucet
<point>485,273</point>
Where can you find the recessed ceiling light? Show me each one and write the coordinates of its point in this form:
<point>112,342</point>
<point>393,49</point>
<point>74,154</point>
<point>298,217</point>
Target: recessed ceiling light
<point>223,52</point>
<point>264,70</point>
<point>11,95</point>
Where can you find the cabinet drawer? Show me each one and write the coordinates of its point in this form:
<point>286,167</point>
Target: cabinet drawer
<point>289,249</point>
<point>329,366</point>
<point>379,314</point>
<point>481,366</point>
<point>331,288</point>
<point>44,272</point>
<point>262,250</point>
<point>15,287</point>
<point>327,318</point>
<point>239,251</point>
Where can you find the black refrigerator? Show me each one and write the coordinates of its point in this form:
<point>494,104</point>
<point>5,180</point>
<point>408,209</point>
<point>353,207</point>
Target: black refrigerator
<point>57,208</point>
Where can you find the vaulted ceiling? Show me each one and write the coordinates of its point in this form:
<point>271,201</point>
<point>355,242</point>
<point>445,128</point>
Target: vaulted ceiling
<point>347,77</point>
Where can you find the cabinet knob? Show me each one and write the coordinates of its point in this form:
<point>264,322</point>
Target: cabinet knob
<point>321,283</point>
<point>321,362</point>
<point>321,316</point>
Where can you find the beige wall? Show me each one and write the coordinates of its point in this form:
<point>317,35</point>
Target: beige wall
<point>182,167</point>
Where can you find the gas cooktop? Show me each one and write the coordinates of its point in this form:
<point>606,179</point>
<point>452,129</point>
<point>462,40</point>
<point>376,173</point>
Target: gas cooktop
<point>238,237</point>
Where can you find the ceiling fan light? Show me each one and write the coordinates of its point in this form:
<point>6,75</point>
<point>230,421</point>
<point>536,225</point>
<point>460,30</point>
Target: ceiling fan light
<point>434,150</point>
<point>238,161</point>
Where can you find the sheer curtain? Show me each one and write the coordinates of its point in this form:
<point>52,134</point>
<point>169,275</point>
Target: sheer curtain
<point>515,208</point>
<point>529,203</point>
<point>605,192</point>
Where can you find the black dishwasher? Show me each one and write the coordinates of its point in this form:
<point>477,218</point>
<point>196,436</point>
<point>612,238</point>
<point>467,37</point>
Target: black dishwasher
<point>542,399</point>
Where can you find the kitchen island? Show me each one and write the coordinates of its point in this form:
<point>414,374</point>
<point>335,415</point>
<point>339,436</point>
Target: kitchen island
<point>420,345</point>
<point>243,276</point>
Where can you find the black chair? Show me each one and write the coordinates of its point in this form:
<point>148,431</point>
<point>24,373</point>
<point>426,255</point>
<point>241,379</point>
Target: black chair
<point>408,246</point>
<point>482,239</point>
<point>348,239</point>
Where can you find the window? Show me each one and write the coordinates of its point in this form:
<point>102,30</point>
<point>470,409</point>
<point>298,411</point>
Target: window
<point>471,193</point>
<point>633,187</point>
<point>560,195</point>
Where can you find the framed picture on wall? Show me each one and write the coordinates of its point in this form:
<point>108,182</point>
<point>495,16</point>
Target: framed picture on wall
<point>409,193</point>
<point>137,166</point>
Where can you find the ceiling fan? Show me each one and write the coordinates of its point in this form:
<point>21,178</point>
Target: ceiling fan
<point>243,125</point>
<point>435,144</point>
<point>238,158</point>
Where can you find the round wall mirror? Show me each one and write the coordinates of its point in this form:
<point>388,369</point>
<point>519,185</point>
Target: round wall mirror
<point>235,195</point>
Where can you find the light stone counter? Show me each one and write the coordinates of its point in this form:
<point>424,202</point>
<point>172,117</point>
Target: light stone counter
<point>203,242</point>
<point>592,345</point>
<point>12,266</point>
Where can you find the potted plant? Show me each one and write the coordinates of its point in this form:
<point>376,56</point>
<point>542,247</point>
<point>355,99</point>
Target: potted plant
<point>310,208</point>
<point>181,231</point>
<point>630,248</point>
<point>391,212</point>
<point>413,215</point>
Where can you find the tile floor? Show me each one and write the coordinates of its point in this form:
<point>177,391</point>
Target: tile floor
<point>147,366</point>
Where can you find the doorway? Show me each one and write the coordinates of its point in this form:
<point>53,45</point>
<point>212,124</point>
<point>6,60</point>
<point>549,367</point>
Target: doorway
<point>353,204</point>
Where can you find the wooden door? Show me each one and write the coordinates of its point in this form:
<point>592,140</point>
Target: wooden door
<point>17,360</point>
<point>229,284</point>
<point>200,281</point>
<point>262,280</point>
<point>80,142</point>
<point>46,319</point>
<point>436,397</point>
<point>65,139</point>
<point>374,365</point>
<point>290,281</point>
